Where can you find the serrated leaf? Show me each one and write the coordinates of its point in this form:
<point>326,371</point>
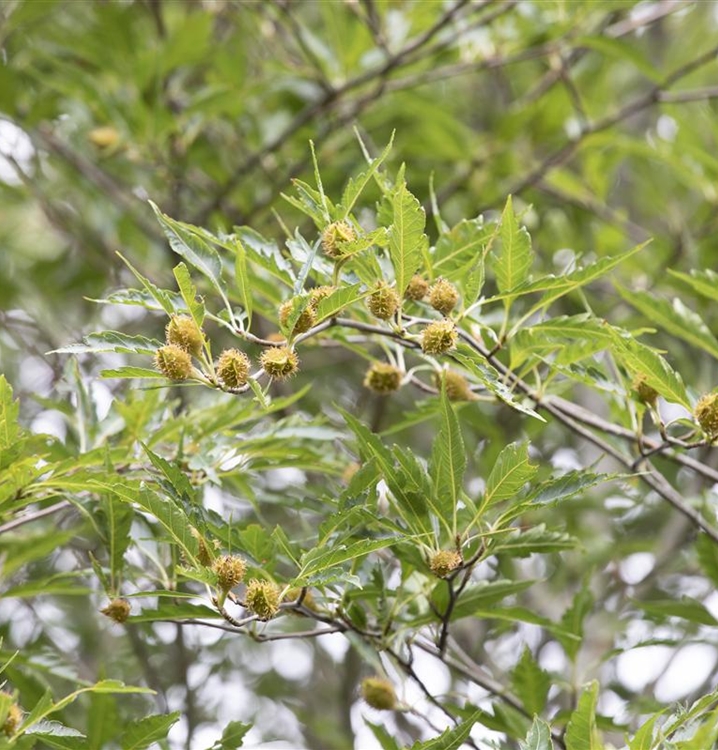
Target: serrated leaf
<point>355,186</point>
<point>406,235</point>
<point>9,411</point>
<point>242,280</point>
<point>581,730</point>
<point>531,684</point>
<point>538,737</point>
<point>188,242</point>
<point>673,317</point>
<point>189,293</point>
<point>704,282</point>
<point>448,460</point>
<point>640,359</point>
<point>465,246</point>
<point>479,596</point>
<point>112,341</point>
<point>537,539</point>
<point>513,261</point>
<point>232,736</point>
<point>573,619</point>
<point>132,372</point>
<point>140,734</point>
<point>685,608</point>
<point>176,611</point>
<point>329,556</point>
<point>451,739</point>
<point>510,473</point>
<point>339,299</point>
<point>175,477</point>
<point>490,377</point>
<point>643,739</point>
<point>566,486</point>
<point>163,297</point>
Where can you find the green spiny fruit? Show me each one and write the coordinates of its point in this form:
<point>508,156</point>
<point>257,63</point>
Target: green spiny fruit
<point>383,302</point>
<point>443,296</point>
<point>383,378</point>
<point>173,362</point>
<point>262,599</point>
<point>233,368</point>
<point>378,693</point>
<point>182,331</point>
<point>117,610</point>
<point>438,337</point>
<point>335,236</point>
<point>306,319</point>
<point>279,362</point>
<point>444,562</point>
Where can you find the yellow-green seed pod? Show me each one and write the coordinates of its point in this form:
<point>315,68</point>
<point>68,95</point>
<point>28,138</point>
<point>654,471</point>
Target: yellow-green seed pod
<point>438,337</point>
<point>182,331</point>
<point>706,413</point>
<point>383,378</point>
<point>456,385</point>
<point>335,236</point>
<point>262,599</point>
<point>378,693</point>
<point>304,322</point>
<point>444,562</point>
<point>644,392</point>
<point>14,717</point>
<point>230,570</point>
<point>319,293</point>
<point>417,289</point>
<point>443,296</point>
<point>233,368</point>
<point>383,302</point>
<point>173,362</point>
<point>279,362</point>
<point>117,610</point>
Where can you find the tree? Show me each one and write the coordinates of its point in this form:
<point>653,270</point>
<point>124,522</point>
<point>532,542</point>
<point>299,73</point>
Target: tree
<point>376,468</point>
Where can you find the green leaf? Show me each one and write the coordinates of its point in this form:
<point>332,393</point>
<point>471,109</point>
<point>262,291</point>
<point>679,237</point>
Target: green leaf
<point>339,299</point>
<point>538,737</point>
<point>490,377</point>
<point>675,318</point>
<point>242,280</point>
<point>464,247</point>
<point>189,293</point>
<point>140,734</point>
<point>132,372</point>
<point>232,736</point>
<point>451,739</point>
<point>9,411</point>
<point>537,539</point>
<point>355,186</point>
<point>176,611</point>
<point>643,739</point>
<point>479,596</point>
<point>406,235</point>
<point>176,478</point>
<point>530,683</point>
<point>329,556</point>
<point>573,619</point>
<point>685,608</point>
<point>112,341</point>
<point>566,486</point>
<point>163,297</point>
<point>704,282</point>
<point>581,730</point>
<point>640,359</point>
<point>513,262</point>
<point>188,242</point>
<point>510,473</point>
<point>624,51</point>
<point>448,462</point>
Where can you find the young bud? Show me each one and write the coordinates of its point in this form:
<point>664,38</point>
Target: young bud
<point>117,610</point>
<point>182,331</point>
<point>378,693</point>
<point>304,322</point>
<point>319,293</point>
<point>233,368</point>
<point>706,413</point>
<point>438,337</point>
<point>173,362</point>
<point>383,378</point>
<point>13,718</point>
<point>457,387</point>
<point>383,302</point>
<point>443,296</point>
<point>230,570</point>
<point>204,556</point>
<point>417,289</point>
<point>335,236</point>
<point>262,599</point>
<point>279,362</point>
<point>444,561</point>
<point>644,393</point>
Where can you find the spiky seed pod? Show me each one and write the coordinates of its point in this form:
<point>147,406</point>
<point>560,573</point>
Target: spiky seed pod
<point>230,570</point>
<point>204,556</point>
<point>644,392</point>
<point>262,599</point>
<point>182,331</point>
<point>233,368</point>
<point>173,362</point>
<point>444,561</point>
<point>443,296</point>
<point>378,693</point>
<point>13,718</point>
<point>304,322</point>
<point>279,362</point>
<point>417,289</point>
<point>706,413</point>
<point>383,302</point>
<point>383,378</point>
<point>438,337</point>
<point>117,610</point>
<point>335,236</point>
<point>457,387</point>
<point>319,293</point>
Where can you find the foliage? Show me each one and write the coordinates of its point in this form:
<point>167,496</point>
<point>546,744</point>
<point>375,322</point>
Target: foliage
<point>499,532</point>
